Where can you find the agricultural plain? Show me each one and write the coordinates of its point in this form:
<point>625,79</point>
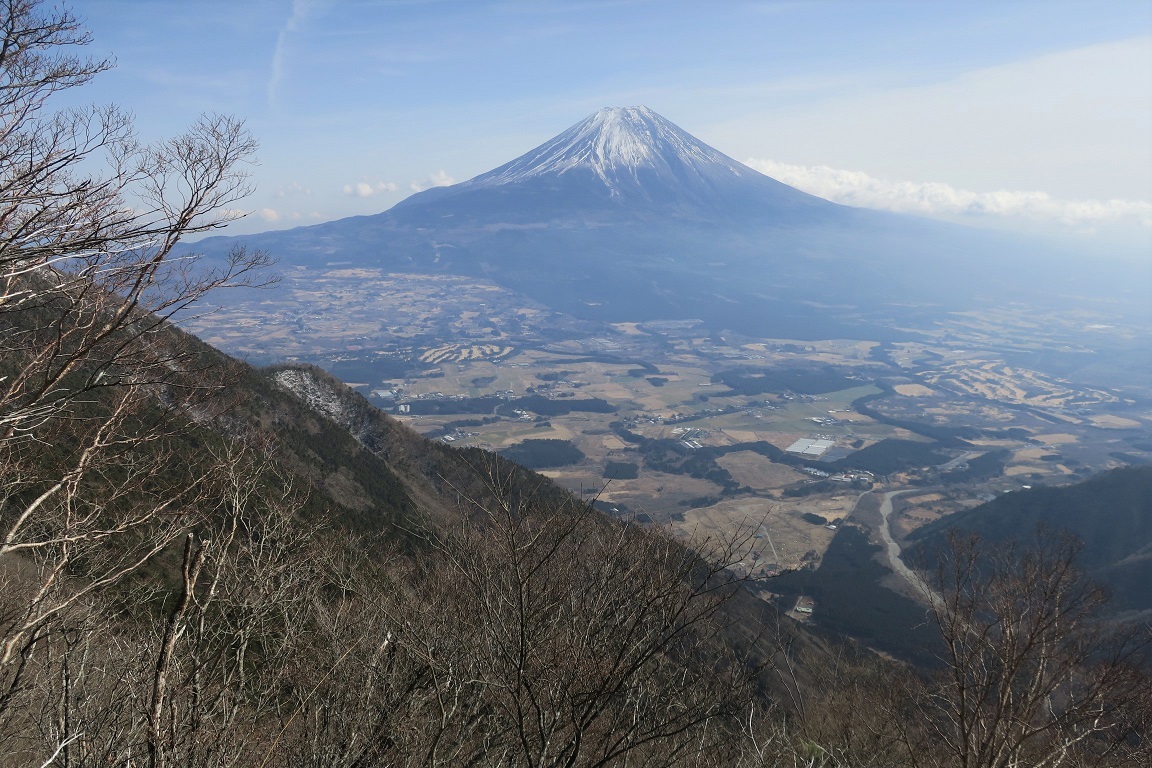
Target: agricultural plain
<point>676,424</point>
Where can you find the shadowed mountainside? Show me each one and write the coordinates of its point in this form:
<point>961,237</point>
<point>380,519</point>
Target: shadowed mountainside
<point>1111,513</point>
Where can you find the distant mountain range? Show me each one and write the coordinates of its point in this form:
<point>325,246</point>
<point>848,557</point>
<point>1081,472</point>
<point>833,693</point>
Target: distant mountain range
<point>626,217</point>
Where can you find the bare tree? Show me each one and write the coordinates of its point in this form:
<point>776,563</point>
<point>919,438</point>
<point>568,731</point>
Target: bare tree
<point>236,634</point>
<point>89,218</point>
<point>549,635</point>
<point>95,386</point>
<point>1034,673</point>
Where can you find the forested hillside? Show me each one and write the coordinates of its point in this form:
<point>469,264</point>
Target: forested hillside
<point>1111,514</point>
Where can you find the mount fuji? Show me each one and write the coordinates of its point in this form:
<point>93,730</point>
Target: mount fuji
<point>627,217</point>
<point>619,164</point>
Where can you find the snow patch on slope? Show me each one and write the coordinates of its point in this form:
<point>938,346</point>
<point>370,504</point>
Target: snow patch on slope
<point>333,399</point>
<point>318,395</point>
<point>617,143</point>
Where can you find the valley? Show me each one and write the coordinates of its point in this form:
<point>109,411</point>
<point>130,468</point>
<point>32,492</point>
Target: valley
<point>679,424</point>
<point>694,346</point>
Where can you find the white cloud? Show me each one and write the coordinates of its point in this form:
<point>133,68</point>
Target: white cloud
<point>1073,123</point>
<point>940,199</point>
<point>295,188</point>
<point>438,179</point>
<point>269,214</point>
<point>365,189</point>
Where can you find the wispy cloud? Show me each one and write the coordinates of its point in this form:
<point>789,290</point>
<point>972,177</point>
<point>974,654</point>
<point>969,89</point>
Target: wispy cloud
<point>294,188</point>
<point>300,9</point>
<point>366,189</point>
<point>940,199</point>
<point>269,214</point>
<point>438,179</point>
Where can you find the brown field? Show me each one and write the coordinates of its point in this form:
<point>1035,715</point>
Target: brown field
<point>656,493</point>
<point>834,351</point>
<point>610,391</point>
<point>853,418</point>
<point>914,390</point>
<point>484,333</point>
<point>461,353</point>
<point>1029,454</point>
<point>997,381</point>
<point>1108,421</point>
<point>783,439</point>
<point>582,480</point>
<point>831,507</point>
<point>914,517</point>
<point>756,471</point>
<point>1058,438</point>
<point>788,536</point>
<point>742,435</point>
<point>612,443</point>
<point>923,498</point>
<point>913,511</point>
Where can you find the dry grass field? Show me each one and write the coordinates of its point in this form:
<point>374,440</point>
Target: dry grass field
<point>849,352</point>
<point>787,537</point>
<point>996,381</point>
<point>757,472</point>
<point>461,353</point>
<point>1056,438</point>
<point>915,510</point>
<point>1109,421</point>
<point>657,494</point>
<point>914,390</point>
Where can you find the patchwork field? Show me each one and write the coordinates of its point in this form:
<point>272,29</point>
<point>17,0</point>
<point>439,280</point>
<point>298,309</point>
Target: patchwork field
<point>702,418</point>
<point>996,381</point>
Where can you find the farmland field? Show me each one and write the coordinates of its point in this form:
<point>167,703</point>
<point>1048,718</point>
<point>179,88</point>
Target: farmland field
<point>999,399</point>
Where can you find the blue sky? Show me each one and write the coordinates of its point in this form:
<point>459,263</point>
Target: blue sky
<point>1033,115</point>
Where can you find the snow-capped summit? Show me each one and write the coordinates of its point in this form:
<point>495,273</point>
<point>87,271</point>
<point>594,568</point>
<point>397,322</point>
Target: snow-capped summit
<point>620,161</point>
<point>617,144</point>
